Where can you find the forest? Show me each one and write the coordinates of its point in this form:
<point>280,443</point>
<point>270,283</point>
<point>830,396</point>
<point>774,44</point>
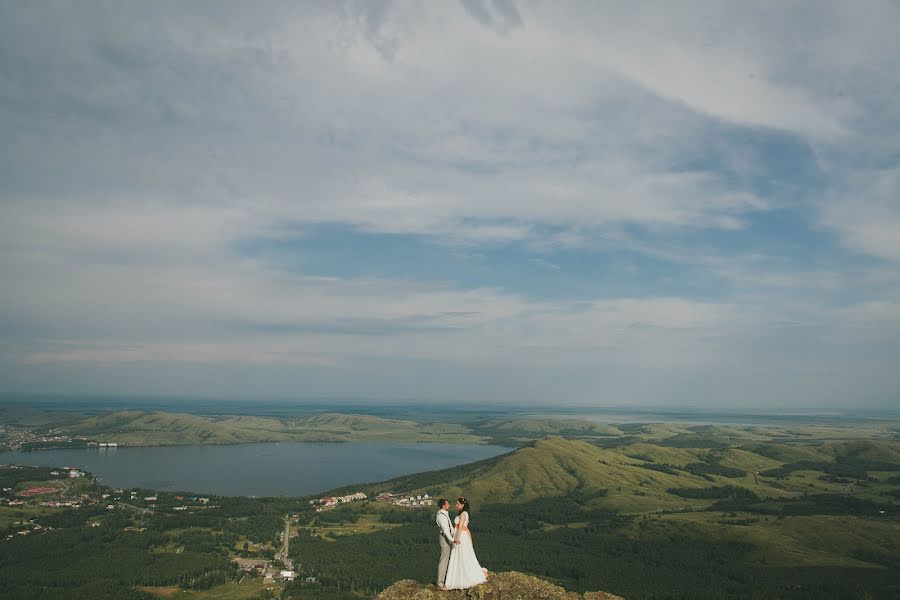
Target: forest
<point>642,520</point>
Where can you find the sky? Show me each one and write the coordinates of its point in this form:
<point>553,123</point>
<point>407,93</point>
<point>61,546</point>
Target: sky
<point>499,201</point>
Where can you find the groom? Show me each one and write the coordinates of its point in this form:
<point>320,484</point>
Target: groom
<point>445,527</point>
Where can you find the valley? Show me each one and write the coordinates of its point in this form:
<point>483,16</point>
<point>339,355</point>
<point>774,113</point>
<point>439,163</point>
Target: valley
<point>638,510</point>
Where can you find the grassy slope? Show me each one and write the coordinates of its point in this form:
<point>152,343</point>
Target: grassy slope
<point>161,428</point>
<point>544,427</point>
<point>819,540</point>
<point>557,467</point>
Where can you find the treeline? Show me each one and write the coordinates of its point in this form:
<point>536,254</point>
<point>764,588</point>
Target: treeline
<point>810,504</point>
<point>10,477</point>
<point>857,469</point>
<point>836,469</point>
<point>852,462</point>
<point>129,548</point>
<point>338,515</point>
<point>555,539</point>
<point>691,440</point>
<point>406,515</point>
<point>713,493</point>
<point>104,561</point>
<point>713,468</point>
<point>705,470</point>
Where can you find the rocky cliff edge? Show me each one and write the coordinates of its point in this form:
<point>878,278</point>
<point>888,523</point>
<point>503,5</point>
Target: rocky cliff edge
<point>499,586</point>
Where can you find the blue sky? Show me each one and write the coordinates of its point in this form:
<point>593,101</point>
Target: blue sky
<point>487,201</point>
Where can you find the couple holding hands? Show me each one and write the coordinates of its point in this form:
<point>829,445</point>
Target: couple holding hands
<point>458,568</point>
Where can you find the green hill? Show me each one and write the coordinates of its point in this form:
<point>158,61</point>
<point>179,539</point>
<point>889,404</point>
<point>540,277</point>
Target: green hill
<point>596,477</point>
<point>164,428</point>
<point>521,430</point>
<point>865,451</point>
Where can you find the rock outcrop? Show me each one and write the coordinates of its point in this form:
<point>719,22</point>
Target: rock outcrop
<point>499,586</point>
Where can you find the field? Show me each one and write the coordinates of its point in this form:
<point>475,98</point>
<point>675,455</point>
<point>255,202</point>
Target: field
<point>332,531</point>
<point>164,429</point>
<point>250,587</point>
<point>643,510</point>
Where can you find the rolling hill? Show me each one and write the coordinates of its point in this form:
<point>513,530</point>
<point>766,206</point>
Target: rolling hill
<point>164,428</point>
<point>597,477</point>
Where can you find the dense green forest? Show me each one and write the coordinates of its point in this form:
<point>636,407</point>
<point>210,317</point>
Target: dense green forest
<point>643,520</point>
<point>555,538</point>
<point>634,557</point>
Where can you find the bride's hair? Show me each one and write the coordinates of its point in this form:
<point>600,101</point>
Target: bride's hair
<point>462,500</point>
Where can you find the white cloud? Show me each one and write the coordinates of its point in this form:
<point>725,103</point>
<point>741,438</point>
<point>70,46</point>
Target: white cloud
<point>141,144</point>
<point>865,212</point>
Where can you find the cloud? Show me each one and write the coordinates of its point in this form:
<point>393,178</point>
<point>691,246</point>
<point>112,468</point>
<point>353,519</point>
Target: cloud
<point>499,15</point>
<point>865,212</point>
<point>714,149</point>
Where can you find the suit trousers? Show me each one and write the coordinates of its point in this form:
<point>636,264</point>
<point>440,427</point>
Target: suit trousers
<point>445,560</point>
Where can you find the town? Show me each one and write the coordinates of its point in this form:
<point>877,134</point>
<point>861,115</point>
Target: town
<point>329,502</point>
<point>17,437</point>
<point>405,500</point>
<point>34,499</point>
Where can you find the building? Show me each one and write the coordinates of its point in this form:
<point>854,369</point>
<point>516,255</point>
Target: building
<point>252,564</point>
<point>405,500</point>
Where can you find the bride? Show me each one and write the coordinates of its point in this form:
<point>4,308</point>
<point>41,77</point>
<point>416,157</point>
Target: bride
<point>463,571</point>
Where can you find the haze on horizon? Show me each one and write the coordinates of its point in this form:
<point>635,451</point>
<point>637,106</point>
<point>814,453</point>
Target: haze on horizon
<point>490,201</point>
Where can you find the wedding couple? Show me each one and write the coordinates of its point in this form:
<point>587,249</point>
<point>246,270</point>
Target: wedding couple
<point>458,568</point>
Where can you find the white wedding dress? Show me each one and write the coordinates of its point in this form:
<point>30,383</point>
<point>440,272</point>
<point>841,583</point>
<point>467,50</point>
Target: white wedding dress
<point>464,571</point>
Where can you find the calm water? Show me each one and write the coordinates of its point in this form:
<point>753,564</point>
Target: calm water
<point>268,469</point>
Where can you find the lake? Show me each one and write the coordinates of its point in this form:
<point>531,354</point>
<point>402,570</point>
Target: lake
<point>263,469</point>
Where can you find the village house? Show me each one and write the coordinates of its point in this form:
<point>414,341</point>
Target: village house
<point>331,501</point>
<point>249,565</point>
<point>405,500</point>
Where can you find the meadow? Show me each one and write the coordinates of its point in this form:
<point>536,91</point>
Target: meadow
<point>652,510</point>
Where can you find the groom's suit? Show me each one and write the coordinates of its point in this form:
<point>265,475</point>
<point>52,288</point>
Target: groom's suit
<point>445,527</point>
